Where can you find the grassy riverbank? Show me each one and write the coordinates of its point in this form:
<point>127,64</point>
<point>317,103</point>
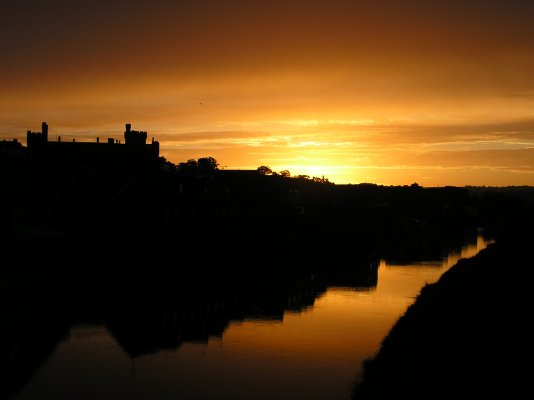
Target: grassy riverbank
<point>465,335</point>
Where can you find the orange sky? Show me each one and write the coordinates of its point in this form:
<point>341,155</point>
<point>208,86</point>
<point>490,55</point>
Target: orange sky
<point>381,91</point>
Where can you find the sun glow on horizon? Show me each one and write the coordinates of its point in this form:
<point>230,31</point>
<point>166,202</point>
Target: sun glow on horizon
<point>369,91</point>
<point>355,151</point>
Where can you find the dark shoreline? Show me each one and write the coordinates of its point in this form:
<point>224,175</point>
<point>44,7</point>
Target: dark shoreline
<point>465,335</point>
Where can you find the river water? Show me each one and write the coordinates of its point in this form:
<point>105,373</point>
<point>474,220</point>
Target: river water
<point>311,348</point>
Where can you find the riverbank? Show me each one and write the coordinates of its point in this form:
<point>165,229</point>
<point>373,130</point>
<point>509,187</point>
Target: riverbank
<point>465,335</point>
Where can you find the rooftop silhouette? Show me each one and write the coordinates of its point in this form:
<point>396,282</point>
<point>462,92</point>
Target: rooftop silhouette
<point>110,154</point>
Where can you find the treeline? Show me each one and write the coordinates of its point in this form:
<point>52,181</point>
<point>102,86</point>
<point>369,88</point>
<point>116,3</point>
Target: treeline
<point>206,167</point>
<point>197,205</point>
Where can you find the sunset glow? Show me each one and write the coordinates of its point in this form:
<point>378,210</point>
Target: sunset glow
<point>382,91</point>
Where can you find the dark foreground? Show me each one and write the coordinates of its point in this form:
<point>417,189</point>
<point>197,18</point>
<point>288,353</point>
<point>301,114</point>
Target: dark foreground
<point>465,336</point>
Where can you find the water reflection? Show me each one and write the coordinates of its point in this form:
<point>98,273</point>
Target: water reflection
<point>147,314</point>
<point>270,334</point>
<point>29,334</point>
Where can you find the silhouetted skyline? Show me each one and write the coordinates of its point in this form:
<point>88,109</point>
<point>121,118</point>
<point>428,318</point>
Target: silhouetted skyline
<point>162,254</point>
<point>377,91</point>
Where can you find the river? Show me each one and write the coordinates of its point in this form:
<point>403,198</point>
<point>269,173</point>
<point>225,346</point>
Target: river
<point>311,347</point>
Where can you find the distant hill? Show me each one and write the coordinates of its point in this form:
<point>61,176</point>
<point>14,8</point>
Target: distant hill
<point>520,192</point>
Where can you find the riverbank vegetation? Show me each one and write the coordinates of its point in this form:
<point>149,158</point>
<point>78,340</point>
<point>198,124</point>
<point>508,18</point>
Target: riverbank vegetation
<point>465,335</point>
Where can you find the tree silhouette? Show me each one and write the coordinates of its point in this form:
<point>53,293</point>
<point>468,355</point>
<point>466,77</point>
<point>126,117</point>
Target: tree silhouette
<point>166,165</point>
<point>188,168</point>
<point>206,167</point>
<point>264,170</point>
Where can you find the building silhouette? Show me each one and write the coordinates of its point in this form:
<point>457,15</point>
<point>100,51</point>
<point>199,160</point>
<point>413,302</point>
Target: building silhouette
<point>109,155</point>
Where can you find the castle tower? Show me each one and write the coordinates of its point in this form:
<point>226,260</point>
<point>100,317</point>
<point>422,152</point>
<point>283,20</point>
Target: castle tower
<point>34,139</point>
<point>44,130</point>
<point>134,138</point>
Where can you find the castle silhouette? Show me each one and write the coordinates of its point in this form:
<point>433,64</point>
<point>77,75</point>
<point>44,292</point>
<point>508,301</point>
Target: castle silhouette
<point>133,152</point>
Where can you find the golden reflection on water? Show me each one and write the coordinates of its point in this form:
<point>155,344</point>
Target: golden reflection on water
<point>344,327</point>
<point>402,283</point>
<point>313,354</point>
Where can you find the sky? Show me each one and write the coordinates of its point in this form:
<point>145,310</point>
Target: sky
<point>389,92</point>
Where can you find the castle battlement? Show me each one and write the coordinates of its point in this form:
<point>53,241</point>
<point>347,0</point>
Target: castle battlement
<point>37,138</point>
<point>134,138</point>
<point>112,152</point>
